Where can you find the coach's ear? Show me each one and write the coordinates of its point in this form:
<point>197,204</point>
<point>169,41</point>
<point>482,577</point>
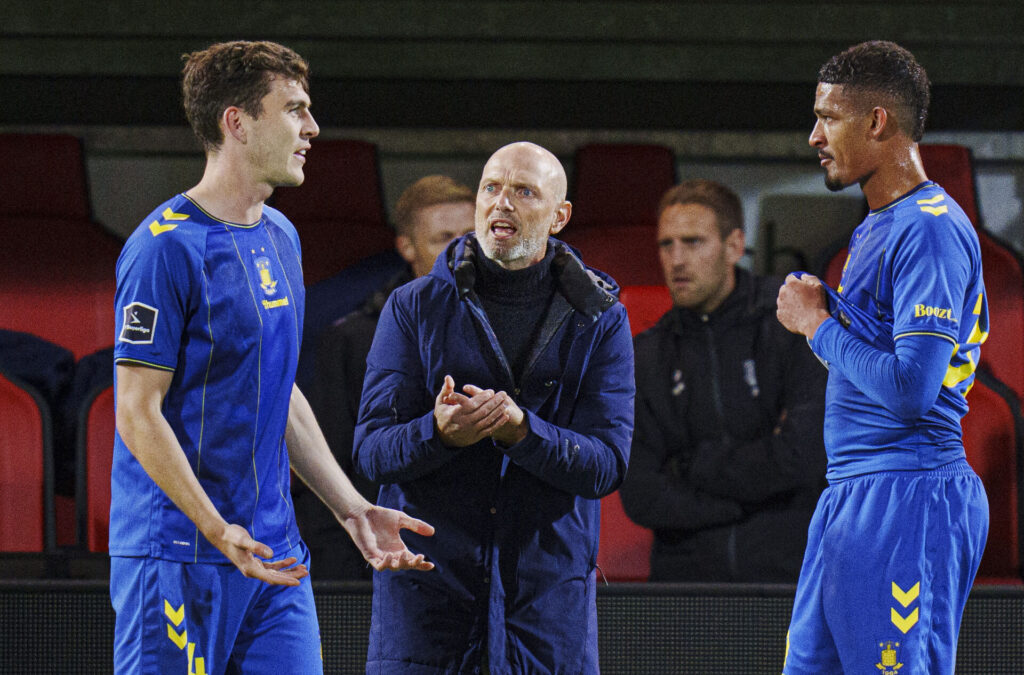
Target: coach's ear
<point>562,215</point>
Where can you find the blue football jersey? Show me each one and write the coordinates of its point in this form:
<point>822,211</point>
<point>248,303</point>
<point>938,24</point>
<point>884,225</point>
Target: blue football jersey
<point>220,305</point>
<point>914,265</point>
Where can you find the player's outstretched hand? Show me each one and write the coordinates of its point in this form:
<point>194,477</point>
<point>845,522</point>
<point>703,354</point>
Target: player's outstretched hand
<point>245,552</point>
<point>376,532</point>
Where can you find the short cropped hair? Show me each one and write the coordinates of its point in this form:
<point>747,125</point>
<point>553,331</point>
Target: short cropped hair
<point>884,70</point>
<point>720,199</point>
<point>428,191</point>
<point>236,73</point>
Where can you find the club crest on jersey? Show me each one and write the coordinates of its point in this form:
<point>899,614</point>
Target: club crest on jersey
<point>267,282</point>
<point>889,662</point>
<point>139,324</point>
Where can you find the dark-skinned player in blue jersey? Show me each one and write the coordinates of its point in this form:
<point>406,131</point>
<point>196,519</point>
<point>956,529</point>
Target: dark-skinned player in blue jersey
<point>898,534</point>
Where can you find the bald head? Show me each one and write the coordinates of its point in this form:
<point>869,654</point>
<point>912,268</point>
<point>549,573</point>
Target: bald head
<point>520,203</point>
<point>533,157</point>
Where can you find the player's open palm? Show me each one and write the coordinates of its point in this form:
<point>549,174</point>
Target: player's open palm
<point>245,552</point>
<point>376,532</point>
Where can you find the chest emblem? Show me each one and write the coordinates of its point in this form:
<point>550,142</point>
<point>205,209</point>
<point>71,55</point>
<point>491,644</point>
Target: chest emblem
<point>268,284</point>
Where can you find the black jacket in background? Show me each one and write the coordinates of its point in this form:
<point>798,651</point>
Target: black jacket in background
<point>728,457</point>
<point>334,393</point>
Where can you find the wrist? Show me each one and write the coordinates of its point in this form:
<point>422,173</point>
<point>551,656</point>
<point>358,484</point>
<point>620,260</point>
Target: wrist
<point>814,324</point>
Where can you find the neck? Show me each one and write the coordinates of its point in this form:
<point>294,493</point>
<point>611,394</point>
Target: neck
<point>898,174</point>
<point>228,191</point>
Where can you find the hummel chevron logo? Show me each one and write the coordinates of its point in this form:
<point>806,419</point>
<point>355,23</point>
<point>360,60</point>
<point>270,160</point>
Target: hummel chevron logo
<point>903,623</point>
<point>176,616</point>
<point>906,597</point>
<point>158,228</point>
<point>171,215</point>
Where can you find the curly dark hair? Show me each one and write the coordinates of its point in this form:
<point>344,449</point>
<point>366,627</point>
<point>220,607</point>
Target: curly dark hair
<point>887,74</point>
<point>235,73</point>
<point>717,197</point>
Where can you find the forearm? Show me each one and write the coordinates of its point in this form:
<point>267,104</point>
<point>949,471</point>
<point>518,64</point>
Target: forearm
<point>313,463</point>
<point>152,442</point>
<point>781,460</point>
<point>590,464</point>
<point>906,382</point>
<point>657,500</point>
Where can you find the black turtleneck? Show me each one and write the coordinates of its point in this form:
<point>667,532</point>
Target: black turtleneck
<point>515,302</point>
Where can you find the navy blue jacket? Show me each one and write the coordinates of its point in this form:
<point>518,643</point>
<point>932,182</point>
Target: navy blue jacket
<point>517,527</point>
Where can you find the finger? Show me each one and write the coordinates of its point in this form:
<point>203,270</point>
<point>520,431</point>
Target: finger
<point>281,564</point>
<point>258,548</point>
<point>416,525</point>
<point>275,577</point>
<point>447,388</point>
<point>458,399</point>
<point>792,278</point>
<point>495,418</point>
<point>471,389</point>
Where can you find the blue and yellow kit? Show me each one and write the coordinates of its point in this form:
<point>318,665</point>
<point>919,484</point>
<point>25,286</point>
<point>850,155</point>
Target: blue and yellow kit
<point>219,305</point>
<point>897,536</point>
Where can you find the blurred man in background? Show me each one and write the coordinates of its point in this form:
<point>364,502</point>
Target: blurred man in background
<point>727,460</point>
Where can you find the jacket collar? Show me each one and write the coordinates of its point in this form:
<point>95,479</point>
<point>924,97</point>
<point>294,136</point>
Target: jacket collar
<point>588,291</point>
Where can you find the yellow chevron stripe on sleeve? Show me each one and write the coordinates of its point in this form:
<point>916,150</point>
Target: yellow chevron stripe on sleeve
<point>957,374</point>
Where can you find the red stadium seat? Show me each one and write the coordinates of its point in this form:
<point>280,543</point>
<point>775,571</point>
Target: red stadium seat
<point>95,457</point>
<point>43,176</point>
<point>645,305</point>
<point>624,550</point>
<point>992,440</point>
<point>624,553</point>
<point>615,196</point>
<point>629,253</point>
<point>26,480</point>
<point>620,184</point>
<point>339,209</point>
<point>58,283</point>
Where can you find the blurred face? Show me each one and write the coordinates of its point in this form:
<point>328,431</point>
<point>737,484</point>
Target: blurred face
<point>520,202</point>
<point>840,135</point>
<point>697,262</point>
<point>432,229</point>
<point>277,141</point>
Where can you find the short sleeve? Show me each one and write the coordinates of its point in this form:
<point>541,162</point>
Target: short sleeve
<point>931,271</point>
<point>156,277</point>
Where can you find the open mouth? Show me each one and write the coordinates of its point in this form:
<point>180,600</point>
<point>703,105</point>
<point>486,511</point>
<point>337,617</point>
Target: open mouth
<point>502,229</point>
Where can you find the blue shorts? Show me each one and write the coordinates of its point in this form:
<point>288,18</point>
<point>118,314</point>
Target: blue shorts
<point>195,618</point>
<point>891,557</point>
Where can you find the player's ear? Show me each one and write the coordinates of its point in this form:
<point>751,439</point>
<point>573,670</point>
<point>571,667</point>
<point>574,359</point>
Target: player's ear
<point>881,122</point>
<point>231,123</point>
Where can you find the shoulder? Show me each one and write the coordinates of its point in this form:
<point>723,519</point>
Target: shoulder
<point>173,230</point>
<point>275,218</point>
<point>930,212</point>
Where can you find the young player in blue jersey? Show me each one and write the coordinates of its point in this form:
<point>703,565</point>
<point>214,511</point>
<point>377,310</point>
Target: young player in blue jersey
<point>898,535</point>
<point>208,572</point>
